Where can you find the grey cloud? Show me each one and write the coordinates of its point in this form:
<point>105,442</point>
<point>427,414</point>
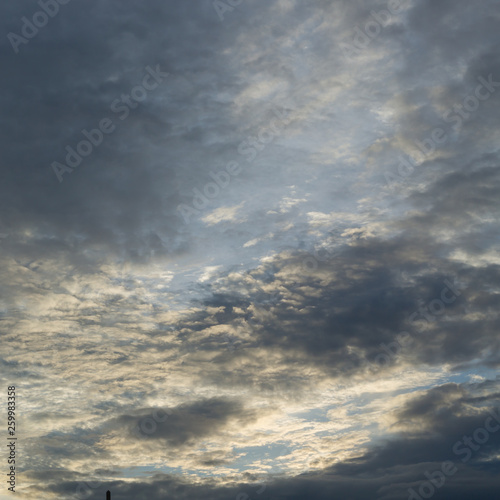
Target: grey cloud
<point>101,273</point>
<point>189,423</point>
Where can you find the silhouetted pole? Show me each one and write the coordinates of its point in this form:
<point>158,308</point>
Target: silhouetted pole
<point>108,495</point>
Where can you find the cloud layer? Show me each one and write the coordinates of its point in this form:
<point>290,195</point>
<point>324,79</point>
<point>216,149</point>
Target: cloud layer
<point>274,270</point>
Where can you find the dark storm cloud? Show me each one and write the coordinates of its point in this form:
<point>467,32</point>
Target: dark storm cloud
<point>433,428</point>
<point>187,424</point>
<point>318,486</point>
<point>368,304</point>
<point>464,201</point>
<point>387,471</point>
<point>126,193</point>
<point>65,80</point>
<point>270,327</point>
<point>123,198</point>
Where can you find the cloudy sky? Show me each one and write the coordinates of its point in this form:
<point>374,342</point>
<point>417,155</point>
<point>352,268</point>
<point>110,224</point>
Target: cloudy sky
<point>249,248</point>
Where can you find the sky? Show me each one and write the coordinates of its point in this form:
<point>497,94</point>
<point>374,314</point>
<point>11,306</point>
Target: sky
<point>249,249</point>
